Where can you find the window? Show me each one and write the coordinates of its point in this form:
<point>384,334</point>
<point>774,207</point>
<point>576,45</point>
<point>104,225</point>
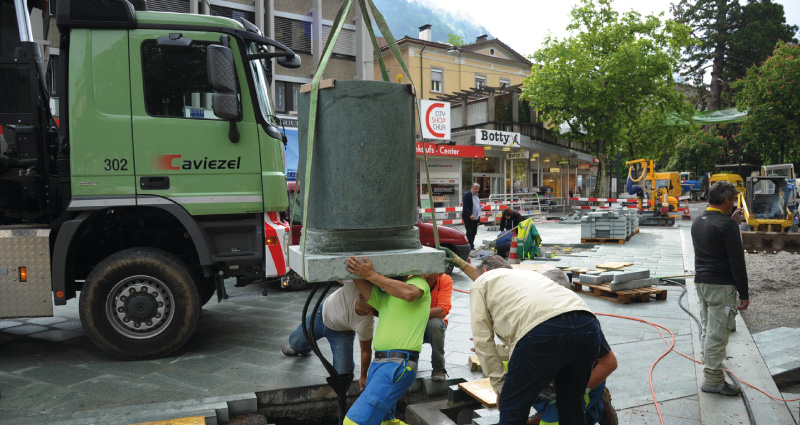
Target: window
<point>176,82</point>
<point>235,14</point>
<point>505,83</point>
<point>436,80</point>
<point>286,96</point>
<point>480,81</point>
<point>177,6</point>
<point>345,44</point>
<point>293,34</point>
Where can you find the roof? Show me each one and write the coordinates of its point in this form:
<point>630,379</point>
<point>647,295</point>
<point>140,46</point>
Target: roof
<point>474,94</point>
<point>467,48</point>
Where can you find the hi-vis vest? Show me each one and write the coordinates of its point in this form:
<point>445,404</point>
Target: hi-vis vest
<point>523,229</point>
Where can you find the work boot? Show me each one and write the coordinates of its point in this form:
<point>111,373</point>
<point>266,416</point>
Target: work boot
<point>439,375</point>
<point>288,351</point>
<point>723,388</point>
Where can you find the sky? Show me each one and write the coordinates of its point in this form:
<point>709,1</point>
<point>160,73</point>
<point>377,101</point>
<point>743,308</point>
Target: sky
<point>523,24</point>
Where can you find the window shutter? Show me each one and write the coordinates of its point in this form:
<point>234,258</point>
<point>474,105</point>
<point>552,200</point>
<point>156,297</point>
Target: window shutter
<point>234,14</point>
<point>293,34</point>
<point>345,44</point>
<point>177,6</point>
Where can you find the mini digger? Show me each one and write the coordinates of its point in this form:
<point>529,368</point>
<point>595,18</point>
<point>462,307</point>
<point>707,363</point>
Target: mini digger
<point>769,225</point>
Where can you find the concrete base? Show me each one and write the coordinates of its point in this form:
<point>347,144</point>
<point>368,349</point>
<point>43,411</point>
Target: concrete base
<point>332,266</point>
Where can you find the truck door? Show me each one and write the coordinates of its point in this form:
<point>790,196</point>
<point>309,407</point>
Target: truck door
<point>181,150</point>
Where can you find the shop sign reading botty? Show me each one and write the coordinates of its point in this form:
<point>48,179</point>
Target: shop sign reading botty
<point>496,138</point>
<point>175,162</point>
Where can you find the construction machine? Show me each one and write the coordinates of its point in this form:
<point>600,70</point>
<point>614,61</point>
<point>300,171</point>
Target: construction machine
<point>163,176</point>
<point>786,170</point>
<point>769,224</point>
<point>661,189</point>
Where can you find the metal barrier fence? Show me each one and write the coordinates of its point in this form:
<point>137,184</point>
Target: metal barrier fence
<point>491,210</point>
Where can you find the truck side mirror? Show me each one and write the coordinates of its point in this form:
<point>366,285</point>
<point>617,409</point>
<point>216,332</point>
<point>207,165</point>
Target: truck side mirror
<point>222,77</point>
<point>292,62</point>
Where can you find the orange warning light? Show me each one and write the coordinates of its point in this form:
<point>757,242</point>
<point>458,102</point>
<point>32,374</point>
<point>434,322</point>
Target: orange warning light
<point>60,294</point>
<point>23,274</point>
<point>270,240</point>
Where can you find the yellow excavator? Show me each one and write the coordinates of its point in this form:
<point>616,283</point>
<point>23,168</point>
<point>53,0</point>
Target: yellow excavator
<point>662,190</point>
<point>769,226</point>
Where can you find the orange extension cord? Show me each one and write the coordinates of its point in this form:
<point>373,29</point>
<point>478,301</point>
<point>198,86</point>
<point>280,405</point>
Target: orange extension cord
<point>671,348</point>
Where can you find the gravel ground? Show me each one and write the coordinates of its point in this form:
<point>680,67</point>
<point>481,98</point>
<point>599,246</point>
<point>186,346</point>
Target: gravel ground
<point>774,291</point>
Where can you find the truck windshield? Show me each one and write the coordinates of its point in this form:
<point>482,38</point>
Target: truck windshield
<point>260,72</point>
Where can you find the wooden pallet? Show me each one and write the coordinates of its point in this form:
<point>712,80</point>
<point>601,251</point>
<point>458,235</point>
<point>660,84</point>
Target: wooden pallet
<point>602,240</point>
<point>624,296</point>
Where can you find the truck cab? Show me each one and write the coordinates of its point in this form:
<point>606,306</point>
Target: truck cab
<point>164,177</point>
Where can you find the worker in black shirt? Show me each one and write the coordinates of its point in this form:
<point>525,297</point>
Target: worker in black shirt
<point>720,272</point>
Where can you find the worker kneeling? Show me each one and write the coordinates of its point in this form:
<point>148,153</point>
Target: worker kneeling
<point>551,334</point>
<point>404,308</point>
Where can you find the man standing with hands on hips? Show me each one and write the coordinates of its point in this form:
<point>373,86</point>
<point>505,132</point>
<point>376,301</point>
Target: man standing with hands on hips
<point>471,213</point>
<point>720,272</point>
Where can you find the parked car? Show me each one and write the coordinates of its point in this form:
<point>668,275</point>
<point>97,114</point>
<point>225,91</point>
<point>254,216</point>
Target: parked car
<point>450,238</point>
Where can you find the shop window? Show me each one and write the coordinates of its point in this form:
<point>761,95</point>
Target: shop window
<point>436,80</point>
<point>488,165</point>
<point>176,82</point>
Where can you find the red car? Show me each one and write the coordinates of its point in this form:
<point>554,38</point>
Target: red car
<point>452,239</point>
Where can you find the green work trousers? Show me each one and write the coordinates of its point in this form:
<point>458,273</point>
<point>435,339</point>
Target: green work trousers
<point>718,315</point>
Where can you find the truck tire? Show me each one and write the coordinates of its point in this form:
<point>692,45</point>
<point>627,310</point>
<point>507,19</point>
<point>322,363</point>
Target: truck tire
<point>139,303</point>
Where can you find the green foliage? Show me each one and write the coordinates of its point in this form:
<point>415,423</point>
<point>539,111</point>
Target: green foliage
<point>771,95</point>
<point>455,40</point>
<point>524,111</point>
<point>404,18</point>
<point>699,151</point>
<point>729,39</point>
<point>611,79</point>
<point>501,110</point>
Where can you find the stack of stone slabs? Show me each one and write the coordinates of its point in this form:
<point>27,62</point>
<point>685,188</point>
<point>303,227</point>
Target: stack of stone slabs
<point>606,225</point>
<point>362,190</point>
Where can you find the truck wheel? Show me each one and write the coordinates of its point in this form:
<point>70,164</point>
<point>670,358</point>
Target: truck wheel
<point>140,303</point>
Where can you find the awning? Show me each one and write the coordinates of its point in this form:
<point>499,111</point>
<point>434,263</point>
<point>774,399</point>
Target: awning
<point>723,116</point>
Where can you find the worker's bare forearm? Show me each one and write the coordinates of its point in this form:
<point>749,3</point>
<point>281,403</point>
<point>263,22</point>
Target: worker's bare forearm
<point>437,313</point>
<point>365,287</point>
<point>471,272</point>
<point>395,288</point>
<point>602,370</point>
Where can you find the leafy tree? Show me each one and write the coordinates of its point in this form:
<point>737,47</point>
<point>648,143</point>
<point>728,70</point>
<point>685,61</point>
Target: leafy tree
<point>771,95</point>
<point>455,40</point>
<point>610,72</point>
<point>729,38</point>
<point>699,151</point>
<point>501,110</point>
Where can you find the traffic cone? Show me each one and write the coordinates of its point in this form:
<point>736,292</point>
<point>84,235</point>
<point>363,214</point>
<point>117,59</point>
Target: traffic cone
<point>513,258</point>
<point>687,215</point>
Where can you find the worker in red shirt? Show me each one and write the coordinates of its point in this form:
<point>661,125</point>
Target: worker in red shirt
<point>441,294</point>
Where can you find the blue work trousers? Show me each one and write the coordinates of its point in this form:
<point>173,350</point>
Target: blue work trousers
<point>562,349</point>
<point>341,343</point>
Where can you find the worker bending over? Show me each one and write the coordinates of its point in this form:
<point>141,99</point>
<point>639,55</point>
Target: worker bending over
<point>341,317</point>
<point>551,333</point>
<point>404,308</point>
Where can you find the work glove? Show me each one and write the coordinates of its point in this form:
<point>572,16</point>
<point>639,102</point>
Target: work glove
<point>452,258</point>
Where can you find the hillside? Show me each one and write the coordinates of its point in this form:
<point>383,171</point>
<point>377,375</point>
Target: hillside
<point>406,16</point>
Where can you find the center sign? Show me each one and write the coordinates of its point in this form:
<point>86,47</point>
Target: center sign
<point>496,138</point>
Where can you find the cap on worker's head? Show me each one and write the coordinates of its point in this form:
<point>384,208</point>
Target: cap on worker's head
<point>475,185</point>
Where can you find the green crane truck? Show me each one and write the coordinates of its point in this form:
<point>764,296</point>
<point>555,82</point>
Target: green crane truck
<point>163,177</point>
